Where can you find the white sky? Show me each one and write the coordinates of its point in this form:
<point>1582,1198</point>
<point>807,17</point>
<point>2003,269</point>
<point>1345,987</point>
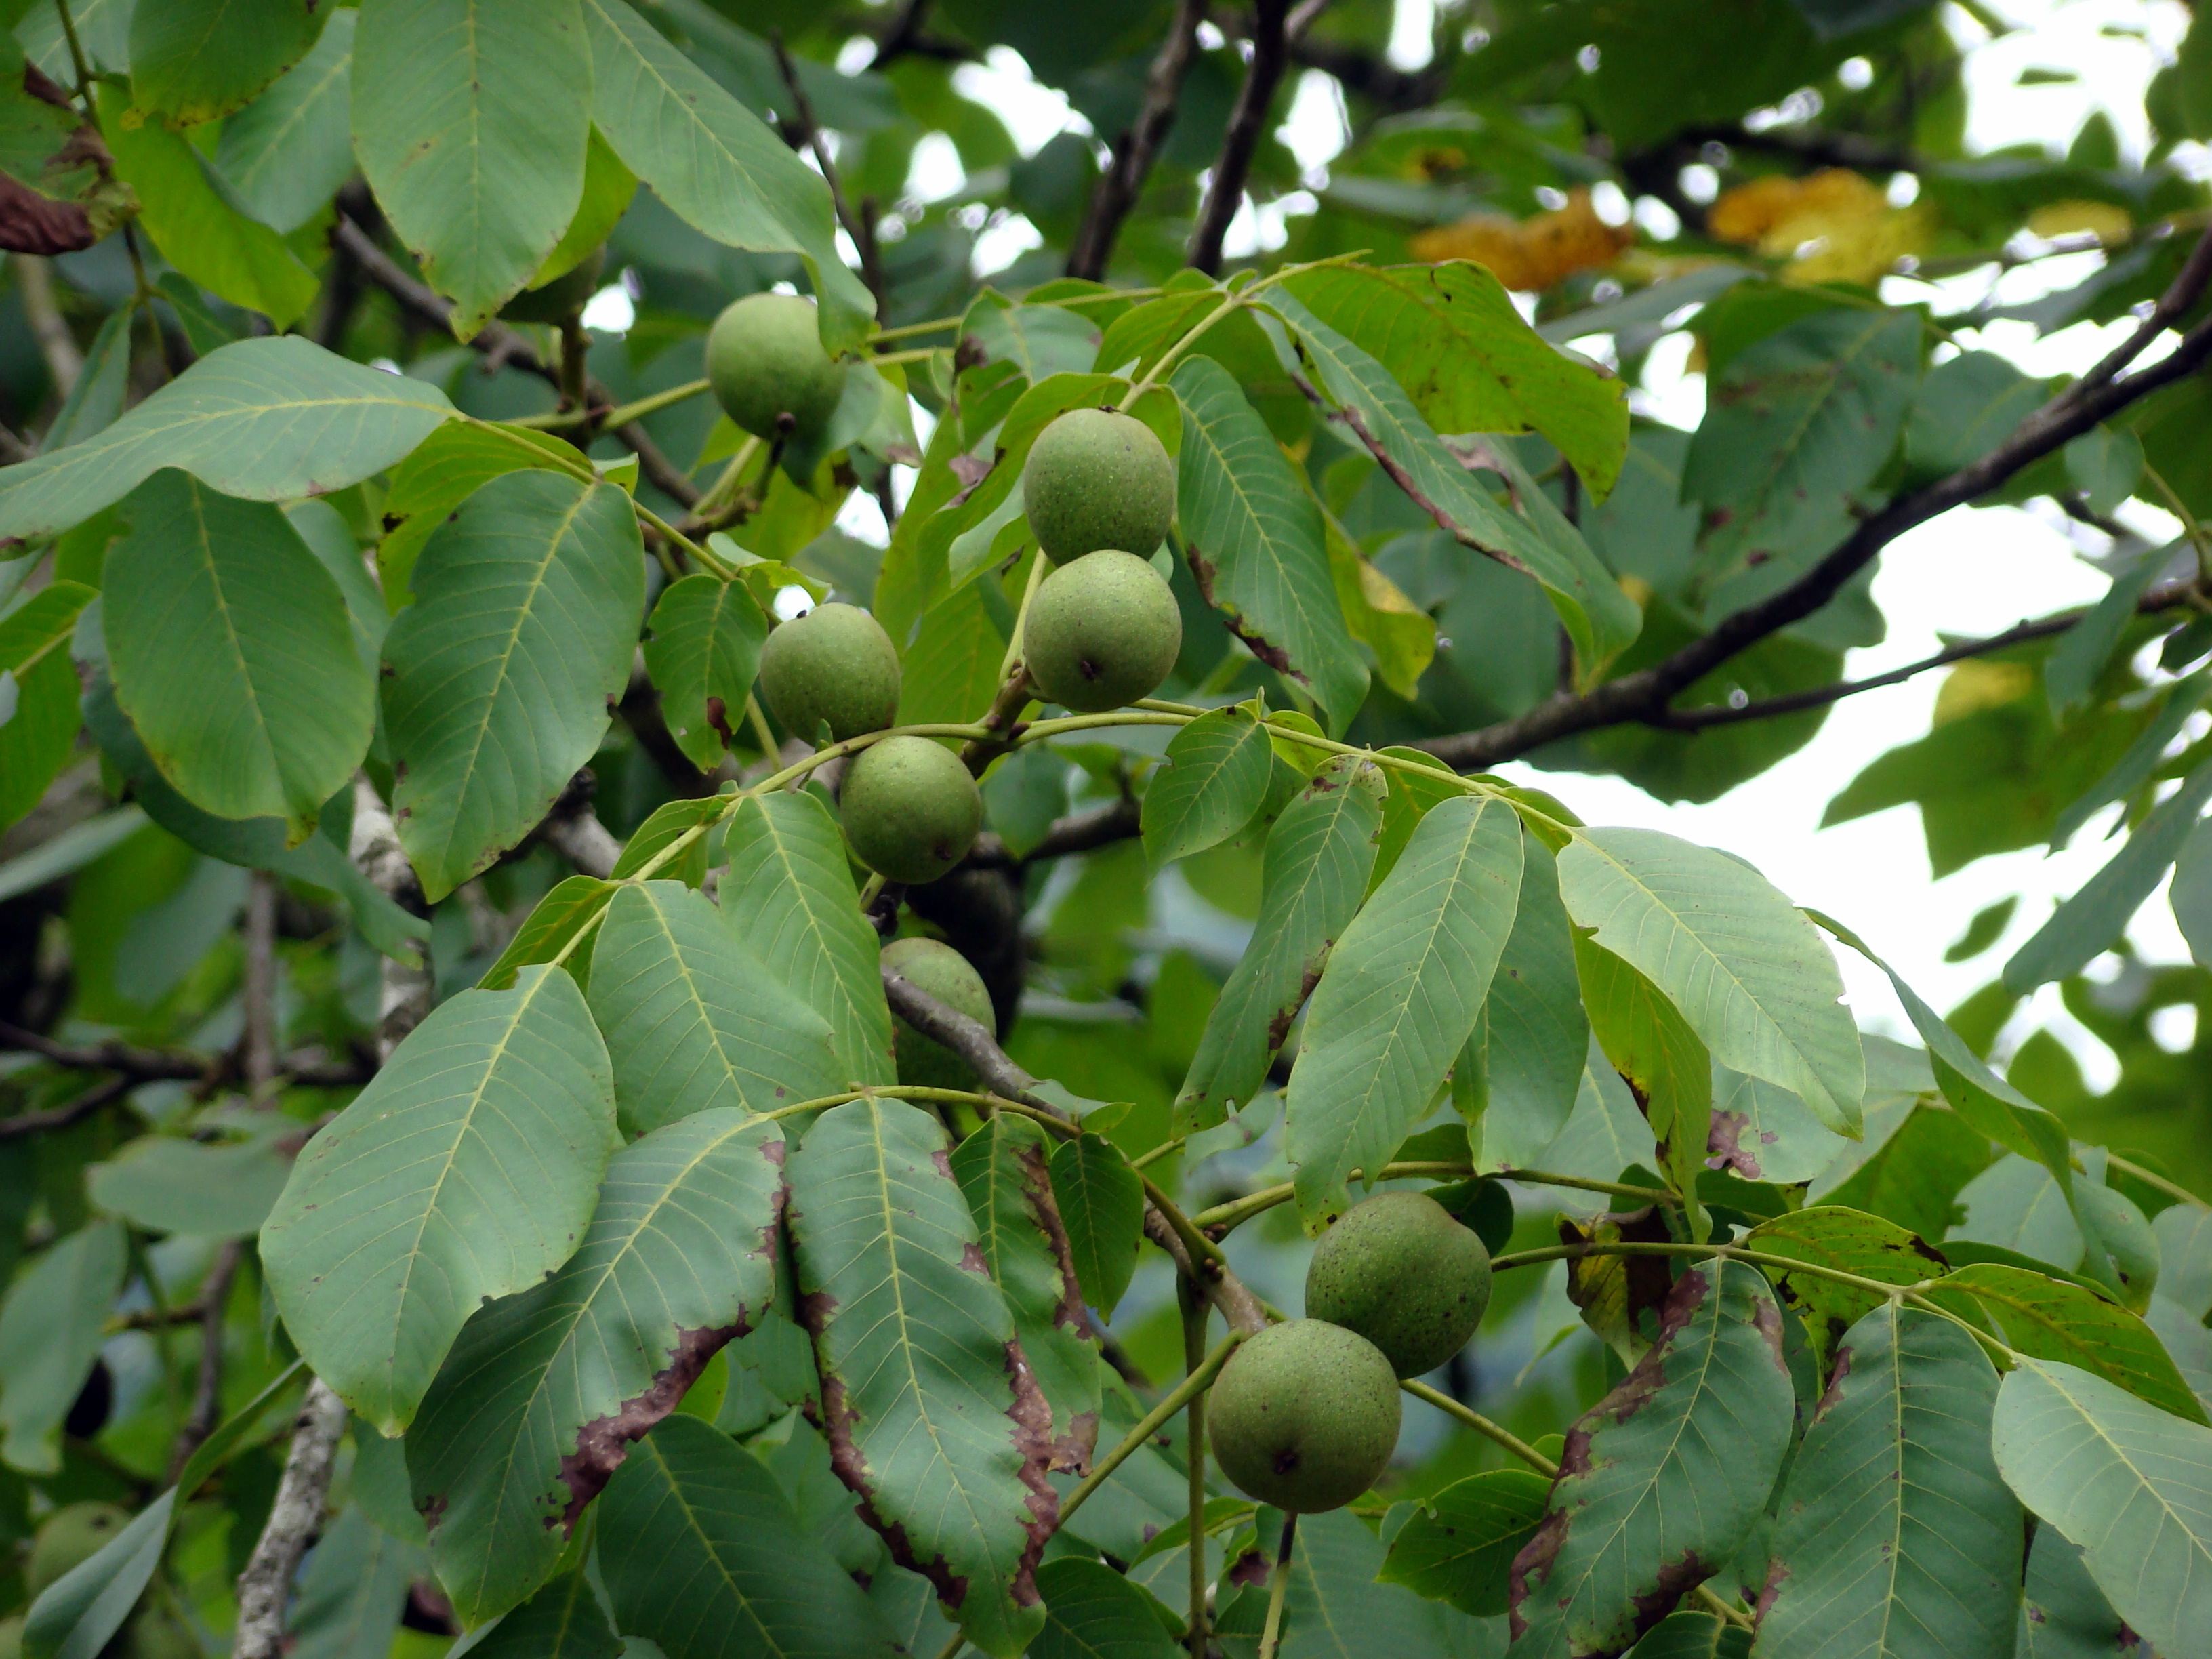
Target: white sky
<point>1973,571</point>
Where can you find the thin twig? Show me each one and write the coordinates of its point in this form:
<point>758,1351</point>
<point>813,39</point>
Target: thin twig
<point>1085,831</point>
<point>2165,597</point>
<point>260,990</point>
<point>61,1117</point>
<point>207,1390</point>
<point>974,1043</point>
<point>34,283</point>
<point>1123,182</point>
<point>1242,141</point>
<point>808,134</point>
<point>1153,1422</point>
<point>1640,696</point>
<point>1193,1357</point>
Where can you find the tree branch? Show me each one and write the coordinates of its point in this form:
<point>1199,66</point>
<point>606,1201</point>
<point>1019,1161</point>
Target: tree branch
<point>1078,832</point>
<point>574,830</point>
<point>1643,696</point>
<point>2164,597</point>
<point>804,131</point>
<point>1242,141</point>
<point>35,284</point>
<point>1000,1075</point>
<point>1123,182</point>
<point>61,1117</point>
<point>297,1514</point>
<point>1812,145</point>
<point>207,1390</point>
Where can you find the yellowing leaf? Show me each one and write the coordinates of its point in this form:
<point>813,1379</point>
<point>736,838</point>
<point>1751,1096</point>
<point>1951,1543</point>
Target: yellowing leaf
<point>1533,253</point>
<point>2108,223</point>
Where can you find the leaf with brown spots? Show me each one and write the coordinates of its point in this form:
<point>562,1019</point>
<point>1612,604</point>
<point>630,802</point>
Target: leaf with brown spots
<point>545,1392</point>
<point>933,1413</point>
<point>1004,1171</point>
<point>1660,1481</point>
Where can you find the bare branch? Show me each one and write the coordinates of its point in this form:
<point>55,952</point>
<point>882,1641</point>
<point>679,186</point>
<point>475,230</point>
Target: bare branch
<point>1643,696</point>
<point>1078,832</point>
<point>1119,186</point>
<point>2165,597</point>
<point>1242,141</point>
<point>207,1390</point>
<point>574,830</point>
<point>805,131</point>
<point>297,1516</point>
<point>1000,1075</point>
<point>496,339</point>
<point>61,1117</point>
<point>403,998</point>
<point>663,474</point>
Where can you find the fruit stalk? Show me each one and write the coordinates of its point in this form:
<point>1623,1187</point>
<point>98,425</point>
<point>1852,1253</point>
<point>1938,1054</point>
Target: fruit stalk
<point>1185,1391</point>
<point>1278,1581</point>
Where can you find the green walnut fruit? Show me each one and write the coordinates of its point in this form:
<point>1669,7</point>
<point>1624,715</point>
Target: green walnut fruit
<point>945,974</point>
<point>1304,1416</point>
<point>770,375</point>
<point>1094,479</point>
<point>835,663</point>
<point>911,810</point>
<point>1101,632</point>
<point>562,297</point>
<point>1397,1269</point>
<point>71,1536</point>
<point>155,1632</point>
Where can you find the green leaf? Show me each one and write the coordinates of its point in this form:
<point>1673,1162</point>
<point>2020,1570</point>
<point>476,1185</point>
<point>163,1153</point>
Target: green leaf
<point>470,119</point>
<point>191,218</point>
<point>1254,540</point>
<point>1990,1105</point>
<point>1661,1060</point>
<point>1459,1545</point>
<point>50,1329</point>
<point>1797,427</point>
<point>1004,1173</point>
<point>789,896</point>
<point>1600,617</point>
<point>2055,1319</point>
<point>576,903</point>
<point>712,161</point>
<point>1101,1201</point>
<point>693,1021</point>
<point>951,672</point>
<point>1664,1476</point>
<point>1912,1177</point>
<point>562,1620</point>
<point>2127,1484</point>
<point>1534,1034</point>
<point>204,331</point>
<point>234,654</point>
<point>1691,1635</point>
<point>95,402</point>
<point>1965,408</point>
<point>168,1185</point>
<point>2077,661</point>
<point>932,1417</point>
<point>669,823</point>
<point>1896,1533</point>
<point>1747,971</point>
<point>353,1592</point>
<point>703,1557</point>
<point>2086,925</point>
<point>1092,1611</point>
<point>81,1611</point>
<point>448,467</point>
<point>39,738</point>
<point>1334,1608</point>
<point>465,1170</point>
<point>1399,996</point>
<point>192,60</point>
<point>1830,1236</point>
<point>702,648</point>
<point>1766,1133</point>
<point>271,420</point>
<point>2104,464</point>
<point>287,153</point>
<point>1450,335</point>
<point>544,1391</point>
<point>2133,770</point>
<point>500,675</point>
<point>2062,1613</point>
<point>1218,771</point>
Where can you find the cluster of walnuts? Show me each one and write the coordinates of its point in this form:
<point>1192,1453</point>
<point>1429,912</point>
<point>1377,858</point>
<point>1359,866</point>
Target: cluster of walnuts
<point>1304,1416</point>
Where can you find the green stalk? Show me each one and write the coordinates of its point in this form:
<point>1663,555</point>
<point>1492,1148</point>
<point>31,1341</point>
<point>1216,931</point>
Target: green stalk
<point>1185,1391</point>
